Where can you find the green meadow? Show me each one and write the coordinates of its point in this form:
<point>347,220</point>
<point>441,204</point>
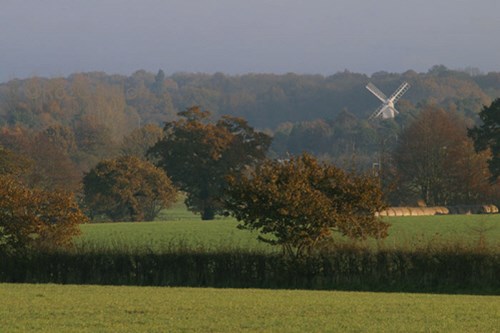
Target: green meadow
<point>91,308</point>
<point>178,228</point>
<point>69,308</point>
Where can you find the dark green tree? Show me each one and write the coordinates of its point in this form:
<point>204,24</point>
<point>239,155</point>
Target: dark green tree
<point>487,136</point>
<point>298,203</point>
<point>198,154</point>
<point>159,84</point>
<point>127,189</point>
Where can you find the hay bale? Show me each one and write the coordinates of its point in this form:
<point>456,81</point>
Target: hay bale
<point>382,213</point>
<point>414,211</point>
<point>485,209</point>
<point>489,209</point>
<point>388,212</point>
<point>406,211</point>
<point>441,210</point>
<point>428,211</point>
<point>417,211</point>
<point>397,211</point>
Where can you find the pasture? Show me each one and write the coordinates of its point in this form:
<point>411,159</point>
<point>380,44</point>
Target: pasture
<point>178,228</point>
<point>69,308</point>
<point>91,308</point>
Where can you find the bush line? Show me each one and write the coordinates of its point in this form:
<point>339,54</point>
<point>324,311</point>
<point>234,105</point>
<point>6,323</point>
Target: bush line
<point>345,269</point>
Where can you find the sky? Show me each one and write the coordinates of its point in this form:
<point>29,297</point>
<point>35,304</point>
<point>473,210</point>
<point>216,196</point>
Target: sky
<point>59,37</point>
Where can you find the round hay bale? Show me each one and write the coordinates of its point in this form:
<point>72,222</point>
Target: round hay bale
<point>382,213</point>
<point>441,210</point>
<point>428,211</point>
<point>391,212</point>
<point>414,211</point>
<point>485,209</point>
<point>489,209</point>
<point>410,211</point>
<point>397,211</point>
<point>406,211</point>
<point>417,211</point>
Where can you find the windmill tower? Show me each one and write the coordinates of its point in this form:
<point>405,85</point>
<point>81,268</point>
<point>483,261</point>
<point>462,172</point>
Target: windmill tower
<point>387,109</point>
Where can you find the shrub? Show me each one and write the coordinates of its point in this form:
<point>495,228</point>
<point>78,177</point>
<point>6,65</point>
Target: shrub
<point>34,217</point>
<point>127,189</point>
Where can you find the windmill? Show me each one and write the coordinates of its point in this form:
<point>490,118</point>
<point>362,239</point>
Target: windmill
<point>387,109</point>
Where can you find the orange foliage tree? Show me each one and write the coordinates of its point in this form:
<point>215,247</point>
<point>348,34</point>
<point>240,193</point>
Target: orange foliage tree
<point>436,161</point>
<point>127,189</point>
<point>299,202</point>
<point>36,218</point>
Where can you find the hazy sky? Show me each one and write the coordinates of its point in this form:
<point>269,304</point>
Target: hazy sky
<point>54,38</point>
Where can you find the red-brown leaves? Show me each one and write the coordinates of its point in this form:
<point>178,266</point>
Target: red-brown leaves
<point>127,189</point>
<point>297,203</point>
<point>34,217</point>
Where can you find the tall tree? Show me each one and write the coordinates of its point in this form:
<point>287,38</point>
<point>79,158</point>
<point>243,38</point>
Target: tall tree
<point>199,154</point>
<point>435,160</point>
<point>487,136</point>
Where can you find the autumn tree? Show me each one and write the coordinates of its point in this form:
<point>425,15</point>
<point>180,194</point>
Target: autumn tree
<point>36,218</point>
<point>487,136</point>
<point>12,163</point>
<point>47,156</point>
<point>51,151</point>
<point>298,203</point>
<point>198,155</point>
<point>127,189</point>
<point>436,161</point>
<point>148,96</point>
<point>140,140</point>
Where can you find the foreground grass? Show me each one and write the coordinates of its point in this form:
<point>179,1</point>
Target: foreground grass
<point>56,308</point>
<point>184,229</point>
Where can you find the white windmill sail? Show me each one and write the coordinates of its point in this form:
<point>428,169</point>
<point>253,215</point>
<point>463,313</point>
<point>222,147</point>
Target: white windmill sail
<point>386,110</point>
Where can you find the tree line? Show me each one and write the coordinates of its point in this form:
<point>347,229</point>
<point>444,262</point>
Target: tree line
<point>77,121</point>
<point>85,135</point>
<point>264,100</point>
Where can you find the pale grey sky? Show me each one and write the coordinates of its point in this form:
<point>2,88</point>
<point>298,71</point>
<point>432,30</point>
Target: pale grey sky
<point>58,37</point>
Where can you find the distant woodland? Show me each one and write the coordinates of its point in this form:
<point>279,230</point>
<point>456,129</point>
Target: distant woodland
<point>65,126</point>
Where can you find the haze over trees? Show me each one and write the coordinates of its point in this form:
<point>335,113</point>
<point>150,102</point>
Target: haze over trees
<point>63,127</point>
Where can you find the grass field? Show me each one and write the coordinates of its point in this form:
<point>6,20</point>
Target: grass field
<point>181,228</point>
<point>54,308</point>
<point>86,308</point>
